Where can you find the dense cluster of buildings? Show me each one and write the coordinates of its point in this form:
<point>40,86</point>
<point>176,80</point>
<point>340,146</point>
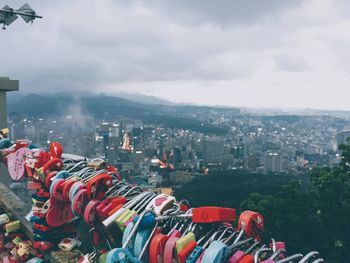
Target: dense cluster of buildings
<point>158,155</point>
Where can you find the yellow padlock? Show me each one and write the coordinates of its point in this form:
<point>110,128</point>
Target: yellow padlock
<point>183,241</point>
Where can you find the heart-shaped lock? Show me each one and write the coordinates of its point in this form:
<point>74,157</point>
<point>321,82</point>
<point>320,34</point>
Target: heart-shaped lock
<point>79,203</point>
<point>59,213</point>
<point>98,186</point>
<point>74,189</point>
<point>16,163</point>
<point>56,149</point>
<point>90,214</point>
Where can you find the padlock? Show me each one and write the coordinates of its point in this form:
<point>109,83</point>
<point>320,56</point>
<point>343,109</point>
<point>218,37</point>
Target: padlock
<point>239,255</point>
<point>43,245</point>
<point>35,260</point>
<point>48,178</point>
<point>79,203</point>
<point>34,185</point>
<point>213,214</point>
<point>75,188</point>
<point>98,185</point>
<point>108,205</point>
<point>148,221</point>
<point>161,203</point>
<point>4,219</point>
<point>158,242</point>
<point>209,214</point>
<point>252,224</point>
<point>186,251</point>
<point>16,163</point>
<point>41,228</point>
<point>55,164</point>
<point>12,226</point>
<point>5,143</point>
<point>217,252</point>
<point>56,149</point>
<point>90,215</point>
<point>66,188</point>
<point>68,244</point>
<point>123,254</point>
<point>59,213</point>
<point>128,214</point>
<point>114,210</point>
<point>183,241</point>
<point>111,219</point>
<point>195,254</point>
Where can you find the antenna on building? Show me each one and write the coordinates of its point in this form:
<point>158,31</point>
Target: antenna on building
<point>8,15</point>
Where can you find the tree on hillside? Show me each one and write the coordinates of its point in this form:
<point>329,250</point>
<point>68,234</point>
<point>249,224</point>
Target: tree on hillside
<point>315,219</point>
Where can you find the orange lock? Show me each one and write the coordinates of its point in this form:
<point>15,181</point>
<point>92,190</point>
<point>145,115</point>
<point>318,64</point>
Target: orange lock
<point>183,254</point>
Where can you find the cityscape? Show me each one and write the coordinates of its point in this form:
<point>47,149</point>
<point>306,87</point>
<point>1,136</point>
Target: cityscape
<point>156,155</point>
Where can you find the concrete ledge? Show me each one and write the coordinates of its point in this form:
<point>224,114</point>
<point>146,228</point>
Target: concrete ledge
<point>16,208</point>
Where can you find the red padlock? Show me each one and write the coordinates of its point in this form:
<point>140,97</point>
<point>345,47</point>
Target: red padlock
<point>98,185</point>
<point>211,214</point>
<point>252,223</point>
<point>54,164</point>
<point>56,149</point>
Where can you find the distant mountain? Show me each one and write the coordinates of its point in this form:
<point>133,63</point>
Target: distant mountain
<point>141,98</point>
<point>110,108</point>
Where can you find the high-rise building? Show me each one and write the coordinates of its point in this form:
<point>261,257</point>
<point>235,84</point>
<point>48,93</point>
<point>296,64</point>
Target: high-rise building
<point>273,162</point>
<point>342,137</point>
<point>213,150</point>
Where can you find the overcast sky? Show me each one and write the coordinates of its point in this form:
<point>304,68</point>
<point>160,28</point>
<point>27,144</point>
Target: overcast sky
<point>258,53</point>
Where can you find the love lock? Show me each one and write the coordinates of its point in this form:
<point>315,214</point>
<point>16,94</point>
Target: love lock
<point>16,163</point>
<point>252,224</point>
<point>217,252</point>
<point>80,201</point>
<point>59,213</point>
<point>68,244</point>
<point>90,214</point>
<point>161,203</point>
<point>5,143</point>
<point>98,186</point>
<point>123,254</point>
<point>209,214</point>
<point>239,255</point>
<point>56,149</point>
<point>54,164</point>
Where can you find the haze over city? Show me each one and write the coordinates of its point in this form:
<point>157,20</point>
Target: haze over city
<point>289,54</point>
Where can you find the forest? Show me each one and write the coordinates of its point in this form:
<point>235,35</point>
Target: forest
<point>308,213</point>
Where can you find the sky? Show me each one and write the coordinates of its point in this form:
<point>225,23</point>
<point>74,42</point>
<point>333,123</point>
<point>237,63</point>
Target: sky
<point>251,53</point>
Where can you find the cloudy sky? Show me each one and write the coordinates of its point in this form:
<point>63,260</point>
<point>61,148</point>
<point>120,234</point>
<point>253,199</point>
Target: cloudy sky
<point>257,53</point>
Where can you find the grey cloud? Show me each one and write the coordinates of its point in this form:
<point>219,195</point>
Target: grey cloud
<point>238,46</point>
<point>293,63</point>
<point>223,12</point>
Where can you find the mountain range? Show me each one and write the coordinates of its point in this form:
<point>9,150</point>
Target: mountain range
<point>105,107</point>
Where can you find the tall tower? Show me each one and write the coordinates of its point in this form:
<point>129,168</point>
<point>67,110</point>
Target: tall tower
<point>5,85</point>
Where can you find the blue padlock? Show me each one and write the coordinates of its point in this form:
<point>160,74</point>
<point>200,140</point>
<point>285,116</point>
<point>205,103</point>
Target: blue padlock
<point>61,175</point>
<point>140,240</point>
<point>5,143</point>
<point>217,252</point>
<point>123,254</point>
<point>32,146</point>
<point>194,256</point>
<point>148,221</point>
<point>126,234</point>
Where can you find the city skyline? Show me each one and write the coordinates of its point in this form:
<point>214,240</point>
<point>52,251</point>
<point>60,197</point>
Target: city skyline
<point>276,55</point>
